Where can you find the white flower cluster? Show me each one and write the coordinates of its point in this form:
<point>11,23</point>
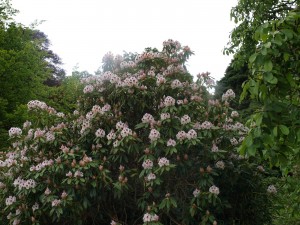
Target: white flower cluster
<point>20,183</point>
<point>181,135</point>
<point>47,191</point>
<point>86,124</point>
<point>214,148</point>
<point>165,116</point>
<point>160,80</point>
<point>171,142</point>
<point>14,131</point>
<point>42,165</point>
<point>214,190</point>
<point>191,134</point>
<point>229,94</point>
<point>271,189</point>
<point>126,132</point>
<point>56,202</point>
<point>129,64</point>
<point>100,133</point>
<point>148,118</point>
<point>10,200</point>
<point>176,84</point>
<point>196,192</point>
<point>120,125</point>
<point>169,101</point>
<point>8,162</point>
<point>172,43</point>
<point>36,104</point>
<point>26,124</point>
<point>150,217</point>
<point>78,174</point>
<point>220,165</point>
<point>35,206</point>
<point>185,119</point>
<point>49,136</point>
<point>106,108</point>
<point>130,82</point>
<point>234,114</point>
<point>154,135</point>
<point>111,135</point>
<point>206,125</point>
<point>39,133</point>
<point>234,142</point>
<point>151,176</point>
<point>147,55</point>
<point>163,162</point>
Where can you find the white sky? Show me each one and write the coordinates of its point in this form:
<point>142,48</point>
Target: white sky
<point>82,31</point>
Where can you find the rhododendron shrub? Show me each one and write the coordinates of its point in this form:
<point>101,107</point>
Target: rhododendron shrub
<point>147,145</point>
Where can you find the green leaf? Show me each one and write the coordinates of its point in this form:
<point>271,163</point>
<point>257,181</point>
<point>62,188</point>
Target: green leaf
<point>268,65</point>
<point>275,131</point>
<point>267,45</point>
<point>251,150</point>
<point>270,78</point>
<point>252,58</point>
<point>284,129</point>
<point>288,33</point>
<point>249,141</point>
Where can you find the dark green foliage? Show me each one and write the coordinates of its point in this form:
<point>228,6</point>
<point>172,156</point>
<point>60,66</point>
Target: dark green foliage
<point>245,190</point>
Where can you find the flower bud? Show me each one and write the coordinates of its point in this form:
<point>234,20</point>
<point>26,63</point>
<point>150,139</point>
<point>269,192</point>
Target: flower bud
<point>208,169</point>
<point>202,170</point>
<point>186,157</point>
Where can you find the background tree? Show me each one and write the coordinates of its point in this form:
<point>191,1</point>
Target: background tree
<point>249,15</point>
<point>28,67</point>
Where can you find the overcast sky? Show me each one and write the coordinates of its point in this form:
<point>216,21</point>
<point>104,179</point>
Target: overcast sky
<point>82,31</point>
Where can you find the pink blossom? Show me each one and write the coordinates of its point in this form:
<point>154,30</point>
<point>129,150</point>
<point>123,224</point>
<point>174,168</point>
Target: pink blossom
<point>147,164</point>
<point>163,162</point>
<point>154,135</point>
<point>171,142</point>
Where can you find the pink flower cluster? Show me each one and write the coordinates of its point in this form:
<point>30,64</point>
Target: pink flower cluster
<point>88,89</point>
<point>147,164</point>
<point>169,101</point>
<point>27,184</point>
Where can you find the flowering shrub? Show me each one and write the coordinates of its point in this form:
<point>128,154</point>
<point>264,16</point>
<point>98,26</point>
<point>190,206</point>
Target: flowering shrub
<point>147,145</point>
